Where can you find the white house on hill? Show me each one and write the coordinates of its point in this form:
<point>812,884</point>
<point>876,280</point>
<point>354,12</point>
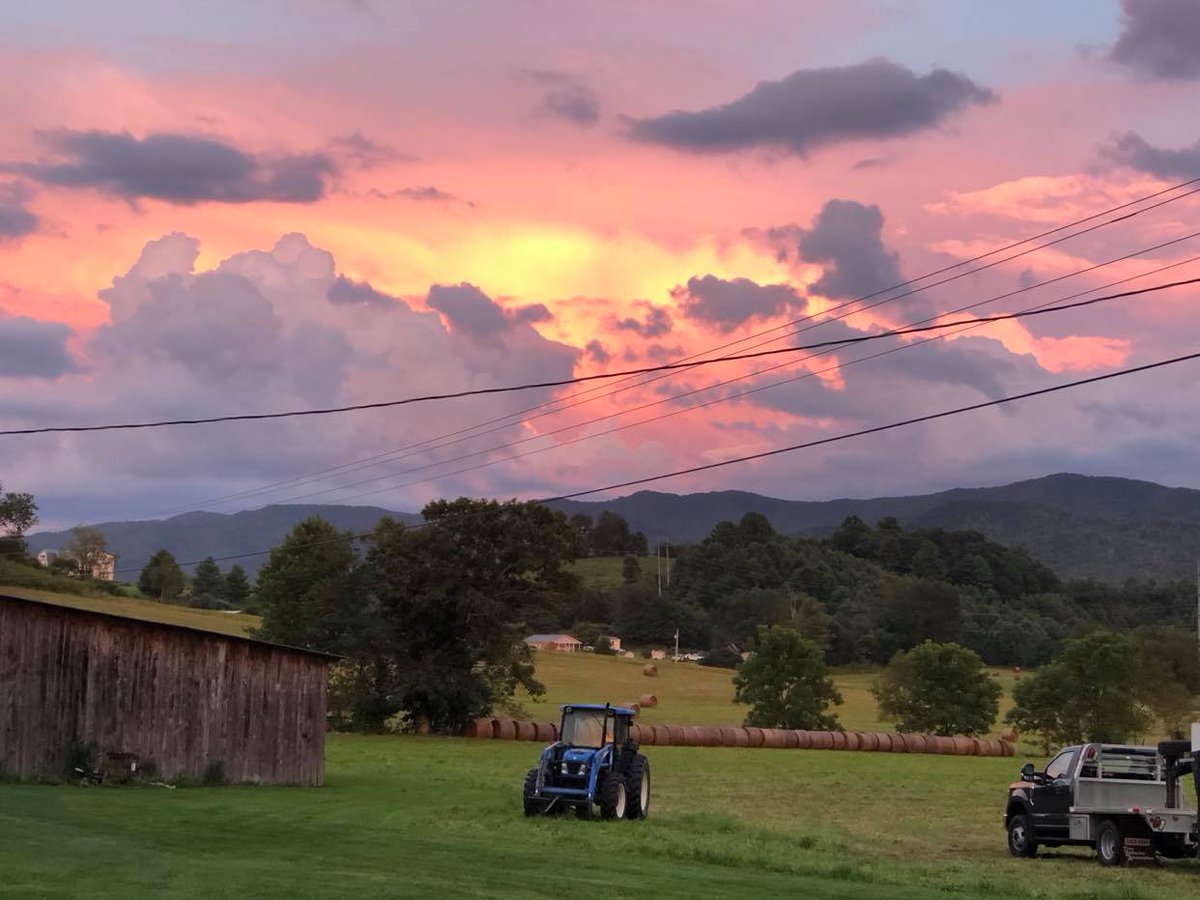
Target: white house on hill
<point>564,643</point>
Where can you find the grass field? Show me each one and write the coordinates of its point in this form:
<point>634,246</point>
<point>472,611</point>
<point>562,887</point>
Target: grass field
<point>688,694</point>
<point>410,816</point>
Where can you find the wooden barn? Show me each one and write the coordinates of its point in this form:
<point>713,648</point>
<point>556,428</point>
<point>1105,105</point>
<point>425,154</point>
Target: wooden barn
<point>187,700</point>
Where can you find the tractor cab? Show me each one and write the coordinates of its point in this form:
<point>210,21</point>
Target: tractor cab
<point>594,761</point>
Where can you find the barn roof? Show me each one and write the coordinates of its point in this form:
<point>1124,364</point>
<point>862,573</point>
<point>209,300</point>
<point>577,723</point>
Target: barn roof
<point>551,639</point>
<point>148,613</point>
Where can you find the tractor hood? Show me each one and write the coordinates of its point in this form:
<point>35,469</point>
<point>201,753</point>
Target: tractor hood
<point>578,754</point>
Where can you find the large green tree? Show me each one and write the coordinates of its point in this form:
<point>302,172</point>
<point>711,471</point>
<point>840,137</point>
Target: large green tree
<point>1089,692</point>
<point>307,591</point>
<point>938,688</point>
<point>785,682</point>
<point>207,583</point>
<point>161,577</point>
<point>18,513</point>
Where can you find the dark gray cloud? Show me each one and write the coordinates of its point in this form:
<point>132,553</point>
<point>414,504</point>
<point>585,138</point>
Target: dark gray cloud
<point>363,153</point>
<point>471,311</point>
<point>178,168</point>
<point>655,323</point>
<point>1160,38</point>
<point>347,292</point>
<point>1131,149</point>
<point>597,352</point>
<point>33,349</point>
<point>875,99</point>
<point>16,220</point>
<point>847,239</point>
<point>566,97</point>
<point>427,194</point>
<point>728,304</point>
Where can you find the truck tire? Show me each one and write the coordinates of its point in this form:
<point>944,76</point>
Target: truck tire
<point>637,785</point>
<point>533,805</point>
<point>613,796</point>
<point>1110,848</point>
<point>1021,842</point>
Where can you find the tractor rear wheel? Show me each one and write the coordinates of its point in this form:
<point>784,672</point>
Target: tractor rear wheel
<point>637,785</point>
<point>533,805</point>
<point>613,797</point>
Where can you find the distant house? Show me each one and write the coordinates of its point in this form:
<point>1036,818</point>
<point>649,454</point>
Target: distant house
<point>563,643</point>
<point>103,569</point>
<point>614,642</point>
<point>658,654</point>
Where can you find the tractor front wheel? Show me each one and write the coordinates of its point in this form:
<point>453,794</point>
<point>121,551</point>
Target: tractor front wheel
<point>613,797</point>
<point>533,805</point>
<point>637,785</point>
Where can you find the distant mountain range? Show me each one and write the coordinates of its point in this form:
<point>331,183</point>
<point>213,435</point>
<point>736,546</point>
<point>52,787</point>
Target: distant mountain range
<point>1081,526</point>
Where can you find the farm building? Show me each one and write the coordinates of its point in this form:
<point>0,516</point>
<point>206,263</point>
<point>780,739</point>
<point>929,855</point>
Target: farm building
<point>561,642</point>
<point>187,700</point>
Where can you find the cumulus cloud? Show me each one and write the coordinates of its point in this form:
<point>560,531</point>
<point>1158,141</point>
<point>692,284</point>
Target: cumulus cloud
<point>177,168</point>
<point>728,304</point>
<point>32,349</point>
<point>1160,38</point>
<point>655,323</point>
<point>346,291</point>
<point>1132,150</point>
<point>468,310</point>
<point>876,99</point>
<point>16,220</point>
<point>847,239</point>
<point>567,97</point>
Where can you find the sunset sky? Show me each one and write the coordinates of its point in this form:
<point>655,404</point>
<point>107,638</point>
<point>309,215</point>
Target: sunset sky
<point>244,206</point>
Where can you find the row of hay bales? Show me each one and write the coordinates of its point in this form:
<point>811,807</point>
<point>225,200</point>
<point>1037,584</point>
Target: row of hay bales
<point>772,738</point>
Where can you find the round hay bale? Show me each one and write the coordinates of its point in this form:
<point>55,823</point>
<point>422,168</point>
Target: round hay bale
<point>691,735</point>
<point>964,746</point>
<point>741,738</point>
<point>504,729</point>
<point>525,731</point>
<point>773,738</point>
<point>945,745</point>
<point>728,736</point>
<point>632,704</point>
<point>868,741</point>
<point>662,735</point>
<point>650,670</point>
<point>803,739</point>
<point>648,701</point>
<point>710,735</point>
<point>1009,734</point>
<point>791,740</point>
<point>543,732</point>
<point>821,740</point>
<point>638,734</point>
<point>677,736</point>
<point>883,741</point>
<point>839,740</point>
<point>1007,749</point>
<point>852,740</point>
<point>914,743</point>
<point>1016,668</point>
<point>754,736</point>
<point>479,728</point>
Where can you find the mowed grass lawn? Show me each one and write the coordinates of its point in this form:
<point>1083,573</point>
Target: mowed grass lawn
<point>689,694</point>
<point>413,816</point>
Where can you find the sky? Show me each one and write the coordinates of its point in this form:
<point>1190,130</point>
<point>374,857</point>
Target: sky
<point>249,206</point>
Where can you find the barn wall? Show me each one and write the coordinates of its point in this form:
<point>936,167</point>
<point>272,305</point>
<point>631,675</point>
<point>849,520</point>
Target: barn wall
<point>181,698</point>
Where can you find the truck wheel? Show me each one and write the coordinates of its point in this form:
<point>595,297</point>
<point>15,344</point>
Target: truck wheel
<point>613,797</point>
<point>1021,841</point>
<point>637,785</point>
<point>533,805</point>
<point>1110,848</point>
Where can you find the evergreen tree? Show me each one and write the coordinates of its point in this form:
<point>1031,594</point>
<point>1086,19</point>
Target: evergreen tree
<point>161,577</point>
<point>236,589</point>
<point>207,580</point>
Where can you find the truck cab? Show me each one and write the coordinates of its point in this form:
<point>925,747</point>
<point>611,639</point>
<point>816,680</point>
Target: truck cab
<point>1126,801</point>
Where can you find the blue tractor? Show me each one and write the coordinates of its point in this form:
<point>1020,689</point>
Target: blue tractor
<point>594,762</point>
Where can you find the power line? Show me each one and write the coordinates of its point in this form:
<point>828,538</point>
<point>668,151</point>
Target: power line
<point>797,447</point>
<point>562,404</point>
<point>576,425</point>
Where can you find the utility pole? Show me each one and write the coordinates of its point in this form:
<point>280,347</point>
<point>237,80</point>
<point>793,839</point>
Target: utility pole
<point>669,565</point>
<point>1198,608</point>
<point>658,565</point>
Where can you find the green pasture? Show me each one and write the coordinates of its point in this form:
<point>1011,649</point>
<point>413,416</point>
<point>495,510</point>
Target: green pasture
<point>689,694</point>
<point>413,816</point>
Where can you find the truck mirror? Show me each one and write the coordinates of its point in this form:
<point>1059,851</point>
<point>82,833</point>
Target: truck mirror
<point>1027,772</point>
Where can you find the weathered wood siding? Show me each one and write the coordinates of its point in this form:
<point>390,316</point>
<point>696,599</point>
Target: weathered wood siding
<point>180,697</point>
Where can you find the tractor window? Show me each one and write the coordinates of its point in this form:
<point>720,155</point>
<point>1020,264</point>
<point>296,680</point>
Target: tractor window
<point>583,728</point>
<point>620,730</point>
